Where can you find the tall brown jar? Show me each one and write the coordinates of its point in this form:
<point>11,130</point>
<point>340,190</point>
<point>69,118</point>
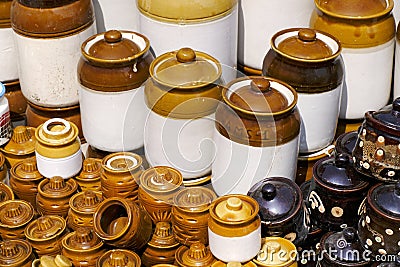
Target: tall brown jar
<point>15,215</point>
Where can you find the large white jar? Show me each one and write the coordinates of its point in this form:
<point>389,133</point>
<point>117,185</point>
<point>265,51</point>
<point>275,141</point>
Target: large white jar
<point>256,134</point>
<point>209,26</point>
<point>48,36</point>
<point>112,72</point>
<point>182,94</point>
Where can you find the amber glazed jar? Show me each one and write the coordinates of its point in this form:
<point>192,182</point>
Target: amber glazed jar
<point>6,193</point>
<point>16,253</point>
<point>15,215</point>
<point>195,255</point>
<point>89,177</point>
<point>119,258</point>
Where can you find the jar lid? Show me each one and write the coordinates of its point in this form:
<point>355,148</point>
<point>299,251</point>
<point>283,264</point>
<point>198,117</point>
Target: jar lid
<point>346,142</point>
<point>338,174</point>
<point>15,252</point>
<point>163,237</point>
<point>121,162</point>
<point>185,69</point>
<point>83,239</point>
<point>387,120</point>
<point>119,258</point>
<point>279,199</point>
<point>6,192</point>
<point>196,255</point>
<point>26,170</point>
<point>305,44</point>
<point>56,132</point>
<point>355,9</point>
<point>22,142</point>
<point>57,187</point>
<point>15,213</point>
<point>386,198</point>
<point>86,201</point>
<point>284,251</point>
<point>161,179</point>
<point>194,199</point>
<point>234,209</point>
<point>91,169</point>
<point>45,228</point>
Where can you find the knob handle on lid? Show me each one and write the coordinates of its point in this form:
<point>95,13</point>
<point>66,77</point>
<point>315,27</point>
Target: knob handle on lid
<point>234,203</point>
<point>349,234</point>
<point>307,35</point>
<point>342,160</point>
<point>185,55</point>
<point>268,191</point>
<point>113,36</point>
<point>262,85</point>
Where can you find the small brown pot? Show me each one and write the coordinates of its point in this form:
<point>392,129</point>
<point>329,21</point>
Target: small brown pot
<point>119,258</point>
<point>89,177</point>
<point>196,255</point>
<point>16,253</point>
<point>14,217</point>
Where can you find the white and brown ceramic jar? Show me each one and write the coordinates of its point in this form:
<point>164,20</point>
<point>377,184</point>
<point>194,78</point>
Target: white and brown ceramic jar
<point>15,215</point>
<point>16,253</point>
<point>89,177</point>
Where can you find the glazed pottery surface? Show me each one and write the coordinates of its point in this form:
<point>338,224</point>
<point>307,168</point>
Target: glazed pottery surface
<point>285,253</point>
<point>195,255</point>
<point>16,100</point>
<point>6,193</point>
<point>14,217</point>
<point>89,177</point>
<point>120,258</point>
<point>16,253</point>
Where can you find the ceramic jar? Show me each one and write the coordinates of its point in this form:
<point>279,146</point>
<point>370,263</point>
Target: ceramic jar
<point>89,177</point>
<point>119,258</point>
<point>158,185</point>
<point>256,28</point>
<point>112,70</point>
<point>82,247</point>
<point>182,94</point>
<point>6,192</point>
<point>14,217</point>
<point>256,134</point>
<point>45,31</point>
<point>311,63</point>
<point>82,207</point>
<point>16,100</point>
<point>276,251</point>
<point>343,249</point>
<point>120,175</point>
<point>162,246</point>
<point>378,144</point>
<point>190,214</point>
<point>58,149</point>
<point>346,142</point>
<point>196,254</point>
<point>122,223</point>
<point>25,179</point>
<point>21,145</point>
<point>16,253</point>
<point>282,210</point>
<point>54,195</point>
<point>234,221</point>
<point>45,234</point>
<point>211,27</point>
<point>4,177</point>
<point>336,193</point>
<point>366,30</point>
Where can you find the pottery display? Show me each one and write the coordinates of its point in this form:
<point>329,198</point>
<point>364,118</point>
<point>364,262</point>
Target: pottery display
<point>336,192</point>
<point>14,217</point>
<point>310,61</point>
<point>82,208</point>
<point>89,177</point>
<point>196,254</point>
<point>43,32</point>
<point>25,179</point>
<point>54,195</point>
<point>366,31</point>
<point>190,214</point>
<point>234,221</point>
<point>119,258</point>
<point>122,223</point>
<point>58,149</point>
<point>276,251</point>
<point>256,134</point>
<point>112,71</point>
<point>82,247</point>
<point>16,100</point>
<point>182,94</point>
<point>6,192</point>
<point>16,253</point>
<point>120,175</point>
<point>45,234</point>
<point>162,246</point>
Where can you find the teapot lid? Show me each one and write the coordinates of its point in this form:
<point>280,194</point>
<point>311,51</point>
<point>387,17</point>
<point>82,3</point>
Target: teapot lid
<point>346,142</point>
<point>279,198</point>
<point>83,239</point>
<point>57,187</point>
<point>86,201</point>
<point>194,199</point>
<point>276,251</point>
<point>119,258</point>
<point>26,170</point>
<point>15,213</point>
<point>22,142</point>
<point>387,119</point>
<point>14,252</point>
<point>185,69</point>
<point>338,174</point>
<point>45,227</point>
<point>196,255</point>
<point>233,209</point>
<point>160,179</point>
<point>386,198</point>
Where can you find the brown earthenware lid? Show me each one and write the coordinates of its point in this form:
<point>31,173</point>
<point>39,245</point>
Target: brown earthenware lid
<point>161,179</point>
<point>338,174</point>
<point>276,246</point>
<point>26,170</point>
<point>56,132</point>
<point>233,264</point>
<point>185,69</point>
<point>194,199</point>
<point>385,199</point>
<point>231,209</point>
<point>121,162</point>
<point>355,9</point>
<point>22,142</point>
<point>15,213</point>
<point>91,169</point>
<point>386,120</point>
<point>45,227</point>
<point>82,240</point>
<point>119,258</point>
<point>163,237</point>
<point>86,201</point>
<point>196,255</point>
<point>346,142</point>
<point>6,192</point>
<point>57,187</point>
<point>15,252</point>
<point>279,199</point>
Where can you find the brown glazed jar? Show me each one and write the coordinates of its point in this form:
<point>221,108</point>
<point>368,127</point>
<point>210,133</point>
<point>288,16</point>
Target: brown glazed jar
<point>119,258</point>
<point>16,253</point>
<point>162,246</point>
<point>89,177</point>
<point>3,169</point>
<point>25,179</point>
<point>6,192</point>
<point>82,247</point>
<point>120,174</point>
<point>16,100</point>
<point>122,223</point>
<point>190,214</point>
<point>45,234</point>
<point>54,194</point>
<point>276,252</point>
<point>197,255</point>
<point>82,207</point>
<point>15,215</point>
<point>158,185</point>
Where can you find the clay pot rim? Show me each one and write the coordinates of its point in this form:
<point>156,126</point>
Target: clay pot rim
<point>14,175</point>
<point>11,82</point>
<point>375,123</point>
<point>75,196</point>
<point>318,34</point>
<point>25,244</point>
<point>47,180</point>
<point>131,169</point>
<point>24,202</point>
<point>375,208</point>
<point>143,186</point>
<point>86,250</point>
<point>53,217</point>
<point>203,207</point>
<point>8,190</point>
<point>388,9</point>
<point>52,109</point>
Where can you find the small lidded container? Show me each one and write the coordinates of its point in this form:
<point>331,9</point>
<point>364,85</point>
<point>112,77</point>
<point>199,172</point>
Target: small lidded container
<point>58,149</point>
<point>15,215</point>
<point>234,221</point>
<point>158,185</point>
<point>16,253</point>
<point>196,255</point>
<point>276,252</point>
<point>89,177</point>
<point>119,258</point>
